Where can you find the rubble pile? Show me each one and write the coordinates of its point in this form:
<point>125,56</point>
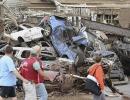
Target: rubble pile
<point>65,51</point>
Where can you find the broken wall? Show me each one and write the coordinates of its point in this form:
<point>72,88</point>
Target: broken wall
<point>124,18</point>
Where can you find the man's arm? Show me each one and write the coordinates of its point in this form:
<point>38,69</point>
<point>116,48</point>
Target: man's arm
<point>11,67</point>
<point>100,77</point>
<point>19,76</point>
<point>37,67</point>
<point>41,72</point>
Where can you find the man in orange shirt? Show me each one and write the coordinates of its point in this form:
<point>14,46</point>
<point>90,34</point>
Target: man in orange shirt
<point>96,70</point>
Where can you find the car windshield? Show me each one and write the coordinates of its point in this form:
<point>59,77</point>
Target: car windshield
<point>25,54</point>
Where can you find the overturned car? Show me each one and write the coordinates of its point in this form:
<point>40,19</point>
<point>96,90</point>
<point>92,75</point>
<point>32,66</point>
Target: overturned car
<point>24,33</point>
<point>65,39</point>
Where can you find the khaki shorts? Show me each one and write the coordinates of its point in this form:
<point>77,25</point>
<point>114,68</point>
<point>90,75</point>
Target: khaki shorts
<point>30,91</point>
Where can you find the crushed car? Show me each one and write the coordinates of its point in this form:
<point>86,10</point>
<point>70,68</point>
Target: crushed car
<point>26,33</point>
<point>122,48</point>
<point>64,37</point>
<point>68,43</point>
<point>47,52</point>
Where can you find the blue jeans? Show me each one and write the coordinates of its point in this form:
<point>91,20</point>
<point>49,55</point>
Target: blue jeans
<point>41,91</point>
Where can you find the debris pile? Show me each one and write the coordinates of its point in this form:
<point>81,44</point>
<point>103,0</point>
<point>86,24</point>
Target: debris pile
<point>65,50</point>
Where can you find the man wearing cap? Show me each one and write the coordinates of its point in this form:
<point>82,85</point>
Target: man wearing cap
<point>31,69</point>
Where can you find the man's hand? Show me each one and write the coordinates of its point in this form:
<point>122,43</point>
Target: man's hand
<point>20,77</point>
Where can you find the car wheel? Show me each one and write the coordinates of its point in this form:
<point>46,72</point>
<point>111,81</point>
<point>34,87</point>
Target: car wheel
<point>47,30</point>
<point>65,56</point>
<point>20,39</point>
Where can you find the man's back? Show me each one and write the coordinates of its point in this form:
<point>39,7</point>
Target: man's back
<point>7,78</point>
<point>28,71</point>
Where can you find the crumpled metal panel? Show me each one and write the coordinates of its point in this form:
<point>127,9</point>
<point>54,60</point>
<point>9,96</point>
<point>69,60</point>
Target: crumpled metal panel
<point>106,28</point>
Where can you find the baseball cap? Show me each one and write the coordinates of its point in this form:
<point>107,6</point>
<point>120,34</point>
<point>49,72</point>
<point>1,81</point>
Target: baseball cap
<point>36,50</point>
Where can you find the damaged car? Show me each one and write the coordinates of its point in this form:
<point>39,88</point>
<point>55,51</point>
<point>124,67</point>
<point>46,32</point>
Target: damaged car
<point>122,48</point>
<point>24,33</point>
<point>65,38</point>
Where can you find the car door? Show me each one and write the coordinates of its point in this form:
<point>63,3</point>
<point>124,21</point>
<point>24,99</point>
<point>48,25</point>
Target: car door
<point>28,35</point>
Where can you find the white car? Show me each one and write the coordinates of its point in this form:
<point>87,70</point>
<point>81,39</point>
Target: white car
<point>20,53</point>
<point>26,34</point>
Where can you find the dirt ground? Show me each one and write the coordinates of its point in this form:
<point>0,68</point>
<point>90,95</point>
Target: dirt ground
<point>83,96</point>
<point>77,97</point>
<point>80,96</point>
<point>74,97</point>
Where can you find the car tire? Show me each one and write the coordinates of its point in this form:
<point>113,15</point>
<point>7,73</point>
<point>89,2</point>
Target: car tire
<point>65,56</point>
<point>20,39</point>
<point>47,30</point>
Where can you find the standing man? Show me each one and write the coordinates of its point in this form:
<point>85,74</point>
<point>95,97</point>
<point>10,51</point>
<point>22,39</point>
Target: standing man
<point>96,70</point>
<point>8,74</point>
<point>31,69</point>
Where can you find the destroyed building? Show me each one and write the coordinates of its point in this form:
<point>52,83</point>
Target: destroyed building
<point>105,11</point>
<point>44,5</point>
